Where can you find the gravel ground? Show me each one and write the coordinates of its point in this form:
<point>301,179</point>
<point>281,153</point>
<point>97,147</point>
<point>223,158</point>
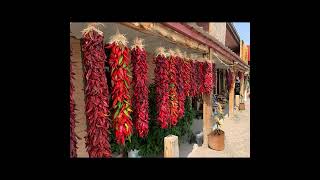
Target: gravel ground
<point>237,140</point>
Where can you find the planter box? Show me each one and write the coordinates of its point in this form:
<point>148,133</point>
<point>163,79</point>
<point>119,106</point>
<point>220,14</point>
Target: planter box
<point>241,106</point>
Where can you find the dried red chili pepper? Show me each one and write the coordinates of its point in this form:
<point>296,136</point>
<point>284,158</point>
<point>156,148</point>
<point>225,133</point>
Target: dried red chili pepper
<point>193,79</point>
<point>73,140</point>
<point>96,91</point>
<point>140,94</point>
<point>180,82</point>
<point>119,64</point>
<point>173,87</point>
<point>187,77</point>
<point>162,89</point>
<point>200,77</point>
<point>208,81</point>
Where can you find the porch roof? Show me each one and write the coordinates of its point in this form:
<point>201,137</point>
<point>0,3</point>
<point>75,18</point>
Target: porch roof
<point>196,33</point>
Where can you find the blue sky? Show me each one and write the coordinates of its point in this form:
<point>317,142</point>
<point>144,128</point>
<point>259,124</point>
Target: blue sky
<point>243,30</point>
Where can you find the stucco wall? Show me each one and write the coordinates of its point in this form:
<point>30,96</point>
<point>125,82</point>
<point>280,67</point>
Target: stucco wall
<point>79,100</point>
<point>218,30</point>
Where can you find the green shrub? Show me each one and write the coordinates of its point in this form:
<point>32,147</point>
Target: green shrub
<point>153,144</point>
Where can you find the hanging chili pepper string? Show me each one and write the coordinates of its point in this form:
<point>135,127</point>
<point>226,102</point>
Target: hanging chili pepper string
<point>96,91</point>
<point>173,96</point>
<point>119,64</point>
<point>193,79</point>
<point>140,95</point>
<point>187,77</point>
<point>162,87</point>
<point>208,79</point>
<point>181,95</point>
<point>214,74</point>
<point>200,77</point>
<point>73,140</point>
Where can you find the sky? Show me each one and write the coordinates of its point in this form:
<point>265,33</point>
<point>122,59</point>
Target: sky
<point>243,30</point>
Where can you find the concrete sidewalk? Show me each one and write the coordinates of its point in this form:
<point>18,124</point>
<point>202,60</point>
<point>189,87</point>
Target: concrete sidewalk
<point>237,140</point>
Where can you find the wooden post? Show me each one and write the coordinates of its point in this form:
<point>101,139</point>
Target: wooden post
<point>207,112</point>
<point>216,83</point>
<point>245,90</point>
<point>222,80</point>
<point>231,95</point>
<point>171,146</point>
<point>242,85</point>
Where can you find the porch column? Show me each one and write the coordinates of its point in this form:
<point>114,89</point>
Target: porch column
<point>245,90</point>
<point>223,80</point>
<point>207,112</point>
<point>242,85</point>
<point>216,82</point>
<point>231,95</point>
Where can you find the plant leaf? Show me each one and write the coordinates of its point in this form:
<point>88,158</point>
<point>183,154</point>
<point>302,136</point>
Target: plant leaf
<point>126,113</point>
<point>129,137</point>
<point>116,113</point>
<point>120,59</point>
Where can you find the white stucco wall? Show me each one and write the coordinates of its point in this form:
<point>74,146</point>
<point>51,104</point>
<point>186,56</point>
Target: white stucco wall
<point>218,30</point>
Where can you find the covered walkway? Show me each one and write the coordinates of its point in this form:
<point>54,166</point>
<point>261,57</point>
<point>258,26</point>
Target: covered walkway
<point>237,140</point>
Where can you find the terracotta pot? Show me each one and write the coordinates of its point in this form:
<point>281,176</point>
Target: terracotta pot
<point>216,142</point>
<point>241,106</point>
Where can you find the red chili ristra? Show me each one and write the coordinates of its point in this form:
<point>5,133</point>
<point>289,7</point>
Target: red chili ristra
<point>187,77</point>
<point>73,140</point>
<point>200,77</point>
<point>96,91</point>
<point>193,79</point>
<point>162,87</point>
<point>140,94</point>
<point>173,95</point>
<point>119,64</point>
<point>208,82</point>
<point>181,95</point>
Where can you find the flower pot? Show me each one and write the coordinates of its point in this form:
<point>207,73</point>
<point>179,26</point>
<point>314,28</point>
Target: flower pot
<point>216,141</point>
<point>133,154</point>
<point>241,106</point>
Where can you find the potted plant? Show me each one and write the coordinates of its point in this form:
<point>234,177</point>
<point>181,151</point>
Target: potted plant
<point>241,105</point>
<point>217,136</point>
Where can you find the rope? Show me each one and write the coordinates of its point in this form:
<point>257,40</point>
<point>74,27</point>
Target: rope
<point>227,65</point>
